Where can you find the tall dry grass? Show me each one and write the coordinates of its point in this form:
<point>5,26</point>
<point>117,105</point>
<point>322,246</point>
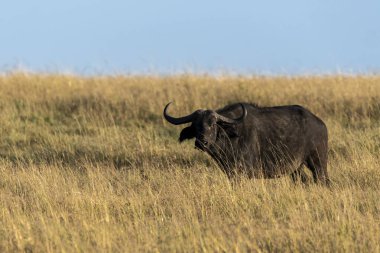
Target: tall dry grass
<point>88,164</point>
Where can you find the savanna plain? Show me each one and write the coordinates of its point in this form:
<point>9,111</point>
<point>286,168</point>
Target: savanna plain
<point>88,164</point>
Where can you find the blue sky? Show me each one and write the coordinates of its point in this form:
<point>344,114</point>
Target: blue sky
<point>167,36</point>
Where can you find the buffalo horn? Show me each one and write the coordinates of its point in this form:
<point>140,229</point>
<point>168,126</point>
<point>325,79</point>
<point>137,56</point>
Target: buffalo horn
<point>234,121</point>
<point>181,120</point>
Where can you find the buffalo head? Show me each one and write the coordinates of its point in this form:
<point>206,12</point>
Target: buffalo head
<point>206,126</point>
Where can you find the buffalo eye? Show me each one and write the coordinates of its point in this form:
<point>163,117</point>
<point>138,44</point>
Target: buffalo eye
<point>211,122</point>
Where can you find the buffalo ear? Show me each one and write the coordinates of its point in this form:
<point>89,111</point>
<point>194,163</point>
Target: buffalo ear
<point>186,133</point>
<point>230,129</point>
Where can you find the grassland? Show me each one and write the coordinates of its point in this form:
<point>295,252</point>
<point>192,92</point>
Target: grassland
<point>89,165</point>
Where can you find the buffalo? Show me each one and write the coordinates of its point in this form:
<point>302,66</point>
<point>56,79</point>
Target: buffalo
<point>260,142</point>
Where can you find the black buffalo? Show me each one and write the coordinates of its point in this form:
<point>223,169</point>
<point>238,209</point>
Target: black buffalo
<point>266,142</point>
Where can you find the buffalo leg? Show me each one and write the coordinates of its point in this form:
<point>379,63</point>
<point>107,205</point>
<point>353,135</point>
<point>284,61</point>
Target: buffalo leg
<point>317,163</point>
<point>300,175</point>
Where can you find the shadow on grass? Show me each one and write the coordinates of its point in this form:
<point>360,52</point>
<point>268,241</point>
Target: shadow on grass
<point>79,157</point>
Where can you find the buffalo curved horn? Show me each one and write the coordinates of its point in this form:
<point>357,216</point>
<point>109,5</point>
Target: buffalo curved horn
<point>181,120</point>
<point>234,121</point>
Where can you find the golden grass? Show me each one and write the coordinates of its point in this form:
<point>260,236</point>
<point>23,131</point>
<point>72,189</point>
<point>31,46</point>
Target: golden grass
<point>89,165</point>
